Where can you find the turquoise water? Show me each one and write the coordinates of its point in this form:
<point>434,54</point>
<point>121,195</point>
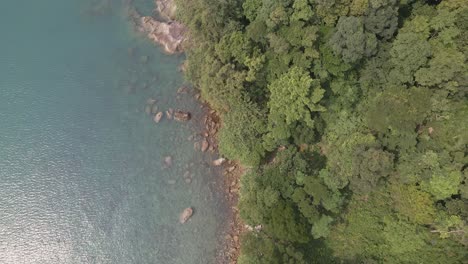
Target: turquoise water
<point>81,175</point>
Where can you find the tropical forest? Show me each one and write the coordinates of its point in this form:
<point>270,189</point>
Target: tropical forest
<point>350,118</point>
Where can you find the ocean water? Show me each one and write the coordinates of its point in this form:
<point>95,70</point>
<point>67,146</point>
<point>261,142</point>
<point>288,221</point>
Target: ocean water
<point>81,164</point>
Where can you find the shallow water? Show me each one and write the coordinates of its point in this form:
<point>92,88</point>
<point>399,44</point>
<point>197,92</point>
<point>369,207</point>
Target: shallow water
<point>81,175</point>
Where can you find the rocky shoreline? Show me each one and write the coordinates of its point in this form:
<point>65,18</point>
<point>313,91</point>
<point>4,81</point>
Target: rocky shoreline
<point>165,31</point>
<point>171,35</point>
<point>229,249</point>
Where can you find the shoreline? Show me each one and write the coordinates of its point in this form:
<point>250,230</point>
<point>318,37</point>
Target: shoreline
<point>232,171</point>
<point>229,247</point>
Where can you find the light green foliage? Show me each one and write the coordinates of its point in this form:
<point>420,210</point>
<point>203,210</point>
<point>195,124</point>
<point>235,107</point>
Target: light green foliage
<point>261,249</point>
<point>294,96</point>
<point>444,183</point>
<point>251,8</point>
<point>322,227</point>
<point>345,137</point>
<point>233,46</point>
<point>351,41</point>
<point>240,142</point>
<point>398,109</point>
<point>442,68</point>
<point>412,204</point>
<point>302,10</point>
<point>402,240</point>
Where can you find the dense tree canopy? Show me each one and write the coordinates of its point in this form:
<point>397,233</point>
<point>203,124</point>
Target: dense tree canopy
<point>352,116</point>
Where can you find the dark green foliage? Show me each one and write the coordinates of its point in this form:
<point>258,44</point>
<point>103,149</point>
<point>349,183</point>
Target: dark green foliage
<point>382,18</point>
<point>352,116</point>
<point>351,42</point>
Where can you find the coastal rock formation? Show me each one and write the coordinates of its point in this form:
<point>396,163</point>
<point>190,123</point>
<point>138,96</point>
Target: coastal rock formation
<point>185,215</point>
<point>166,9</point>
<point>182,116</point>
<point>169,34</point>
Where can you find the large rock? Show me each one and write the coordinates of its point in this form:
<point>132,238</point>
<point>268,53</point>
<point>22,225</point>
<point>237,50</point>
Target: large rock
<point>182,116</point>
<point>185,215</point>
<point>166,9</point>
<point>204,145</point>
<point>219,162</point>
<point>157,118</point>
<point>170,35</point>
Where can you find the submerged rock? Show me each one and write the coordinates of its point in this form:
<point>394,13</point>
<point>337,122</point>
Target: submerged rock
<point>182,116</point>
<point>148,109</point>
<point>169,113</point>
<point>185,215</point>
<point>154,109</point>
<point>171,182</point>
<point>167,161</point>
<point>157,118</point>
<point>183,90</point>
<point>204,145</point>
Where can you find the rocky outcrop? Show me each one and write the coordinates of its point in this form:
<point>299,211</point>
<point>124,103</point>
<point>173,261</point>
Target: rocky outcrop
<point>185,215</point>
<point>170,35</point>
<point>182,116</point>
<point>166,9</point>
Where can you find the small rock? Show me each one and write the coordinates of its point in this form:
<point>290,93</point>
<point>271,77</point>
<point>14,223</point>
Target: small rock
<point>157,118</point>
<point>231,169</point>
<point>187,174</point>
<point>188,180</point>
<point>167,161</point>
<point>204,145</point>
<point>182,116</point>
<point>182,90</point>
<point>196,145</point>
<point>219,162</point>
<point>185,215</point>
<point>169,113</point>
<point>197,96</point>
<point>150,101</point>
